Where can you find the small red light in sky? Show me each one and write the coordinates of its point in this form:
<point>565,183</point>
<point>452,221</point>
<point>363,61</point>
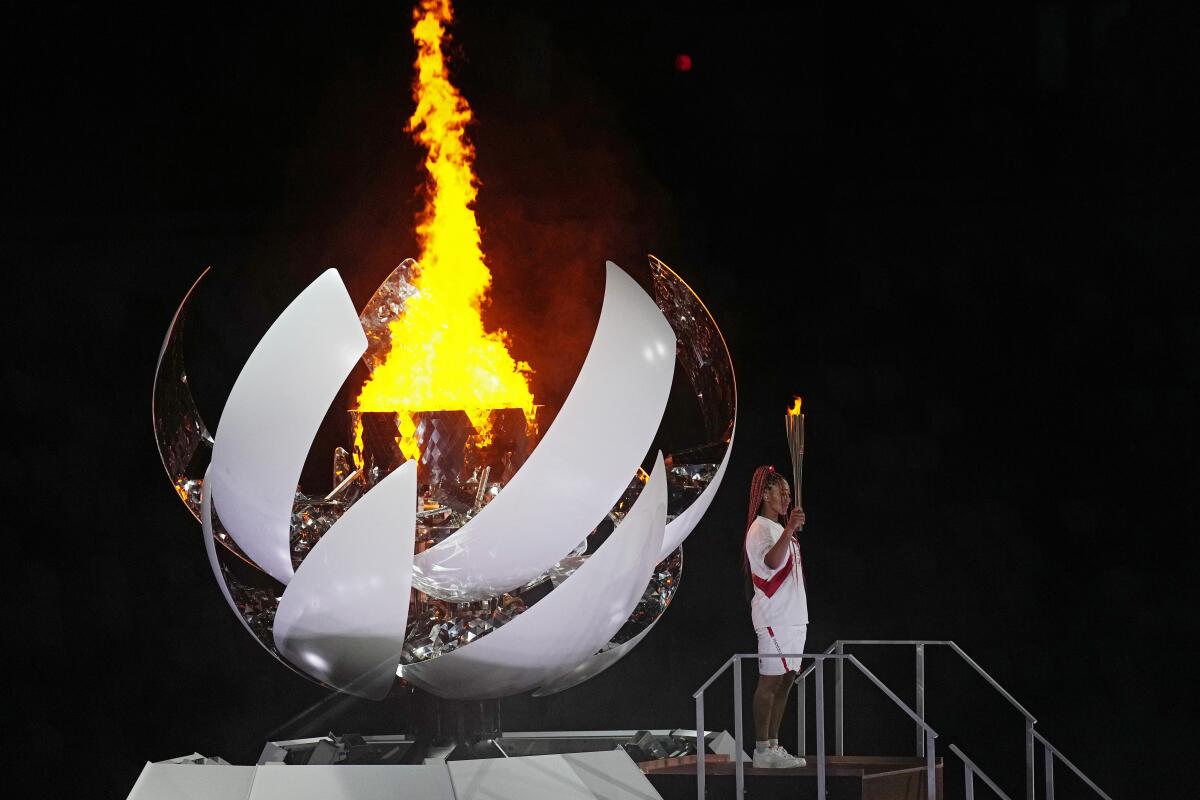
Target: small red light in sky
<point>683,63</point>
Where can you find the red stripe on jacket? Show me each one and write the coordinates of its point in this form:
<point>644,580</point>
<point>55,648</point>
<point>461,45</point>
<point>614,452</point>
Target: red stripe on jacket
<point>771,585</point>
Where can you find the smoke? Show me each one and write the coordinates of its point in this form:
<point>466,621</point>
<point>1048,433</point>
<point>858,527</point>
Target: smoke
<point>563,191</point>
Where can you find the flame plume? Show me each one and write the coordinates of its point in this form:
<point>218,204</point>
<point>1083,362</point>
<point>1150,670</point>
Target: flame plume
<point>442,358</point>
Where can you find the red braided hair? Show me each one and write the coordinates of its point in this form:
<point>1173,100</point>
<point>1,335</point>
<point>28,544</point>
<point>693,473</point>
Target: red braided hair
<point>764,478</point>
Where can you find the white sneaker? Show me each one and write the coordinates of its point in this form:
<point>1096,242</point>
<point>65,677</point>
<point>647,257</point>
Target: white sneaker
<point>795,761</point>
<point>771,759</point>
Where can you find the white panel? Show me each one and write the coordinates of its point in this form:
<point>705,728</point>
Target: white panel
<point>611,775</point>
<point>580,467</point>
<point>210,547</point>
<point>192,782</point>
<point>569,624</point>
<point>589,669</point>
<point>352,782</point>
<point>517,779</point>
<point>679,528</point>
<point>342,618</point>
<point>272,414</point>
<point>725,745</point>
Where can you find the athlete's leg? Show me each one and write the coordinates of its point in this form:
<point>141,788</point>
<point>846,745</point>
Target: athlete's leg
<point>765,695</point>
<point>779,702</point>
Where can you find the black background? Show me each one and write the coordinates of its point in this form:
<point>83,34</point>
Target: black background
<point>967,237</point>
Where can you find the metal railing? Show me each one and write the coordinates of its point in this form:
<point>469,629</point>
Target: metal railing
<point>1051,752</point>
<point>819,660</point>
<point>970,770</point>
<point>838,649</point>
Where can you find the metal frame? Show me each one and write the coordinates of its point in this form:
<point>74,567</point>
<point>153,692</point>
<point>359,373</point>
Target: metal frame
<point>1050,753</point>
<point>970,770</point>
<point>819,660</point>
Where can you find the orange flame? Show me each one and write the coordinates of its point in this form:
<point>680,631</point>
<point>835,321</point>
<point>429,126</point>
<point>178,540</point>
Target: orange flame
<point>794,411</point>
<point>442,358</point>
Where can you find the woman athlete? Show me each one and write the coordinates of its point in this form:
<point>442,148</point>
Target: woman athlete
<point>778,609</point>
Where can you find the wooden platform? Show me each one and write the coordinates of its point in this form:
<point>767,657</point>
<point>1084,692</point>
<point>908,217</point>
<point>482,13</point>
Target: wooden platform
<point>846,777</point>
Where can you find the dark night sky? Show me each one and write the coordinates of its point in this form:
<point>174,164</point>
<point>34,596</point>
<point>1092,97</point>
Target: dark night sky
<point>968,238</point>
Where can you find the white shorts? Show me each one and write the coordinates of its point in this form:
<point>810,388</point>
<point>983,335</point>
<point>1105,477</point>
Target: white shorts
<point>778,640</point>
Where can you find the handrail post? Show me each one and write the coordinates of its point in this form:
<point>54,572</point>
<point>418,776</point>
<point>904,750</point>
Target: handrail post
<point>1049,772</point>
<point>970,778</point>
<point>820,690</point>
<point>1078,772</point>
<point>920,709</point>
<point>802,715</point>
<point>700,746</point>
<point>839,718</point>
<point>930,768</point>
<point>738,769</point>
<point>1030,783</point>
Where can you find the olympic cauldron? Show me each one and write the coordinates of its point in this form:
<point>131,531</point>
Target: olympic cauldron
<point>531,564</point>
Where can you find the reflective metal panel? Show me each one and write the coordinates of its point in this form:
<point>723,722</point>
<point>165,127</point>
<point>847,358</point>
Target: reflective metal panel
<point>253,605</point>
<point>184,443</point>
<point>703,353</point>
<point>582,464</point>
<point>679,528</point>
<point>386,305</point>
<point>569,623</point>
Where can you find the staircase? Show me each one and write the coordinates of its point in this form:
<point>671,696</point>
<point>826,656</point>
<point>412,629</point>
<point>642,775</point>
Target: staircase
<point>839,775</point>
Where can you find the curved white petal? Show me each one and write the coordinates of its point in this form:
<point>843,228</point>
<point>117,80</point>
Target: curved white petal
<point>342,618</point>
<point>679,528</point>
<point>589,669</point>
<point>210,547</point>
<point>272,415</point>
<point>580,467</point>
<point>569,624</point>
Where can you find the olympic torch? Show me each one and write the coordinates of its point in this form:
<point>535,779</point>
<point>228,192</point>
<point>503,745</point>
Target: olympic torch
<point>794,421</point>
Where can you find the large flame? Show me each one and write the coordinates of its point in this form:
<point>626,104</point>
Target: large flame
<point>442,358</point>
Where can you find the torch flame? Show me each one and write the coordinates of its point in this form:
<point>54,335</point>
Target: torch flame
<point>794,411</point>
<point>441,357</point>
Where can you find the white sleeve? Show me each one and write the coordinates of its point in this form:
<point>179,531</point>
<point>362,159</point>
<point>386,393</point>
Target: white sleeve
<point>758,542</point>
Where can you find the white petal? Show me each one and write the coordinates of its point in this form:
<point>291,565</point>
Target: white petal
<point>580,467</point>
<point>210,547</point>
<point>589,669</point>
<point>342,618</point>
<point>569,624</point>
<point>272,416</point>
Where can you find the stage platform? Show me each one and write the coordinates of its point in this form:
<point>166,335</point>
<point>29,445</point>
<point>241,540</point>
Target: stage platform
<point>521,766</point>
<point>610,775</point>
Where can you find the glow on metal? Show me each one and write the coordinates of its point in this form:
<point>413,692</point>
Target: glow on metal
<point>343,617</point>
<point>580,467</point>
<point>567,625</point>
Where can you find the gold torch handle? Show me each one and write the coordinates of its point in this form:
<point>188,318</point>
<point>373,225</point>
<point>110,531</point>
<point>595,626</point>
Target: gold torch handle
<point>798,475</point>
<point>795,435</point>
